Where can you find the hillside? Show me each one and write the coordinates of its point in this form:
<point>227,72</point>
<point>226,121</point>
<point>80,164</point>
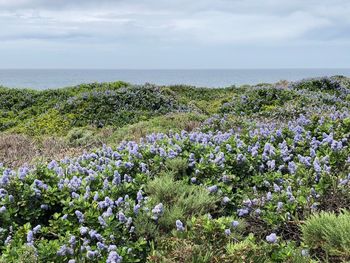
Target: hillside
<point>123,173</point>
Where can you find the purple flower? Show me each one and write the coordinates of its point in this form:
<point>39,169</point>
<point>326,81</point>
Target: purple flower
<point>137,208</point>
<point>101,246</point>
<point>243,212</point>
<point>225,200</point>
<point>179,226</point>
<point>62,251</point>
<point>158,209</point>
<point>11,198</point>
<point>113,257</point>
<point>23,171</point>
<point>116,178</point>
<point>271,164</point>
<point>121,217</point>
<point>212,189</point>
<point>247,202</point>
<point>72,241</point>
<point>305,253</point>
<point>279,206</point>
<point>75,195</point>
<point>83,230</point>
<point>80,216</point>
<point>268,196</point>
<point>30,237</point>
<point>108,213</point>
<point>235,223</point>
<point>40,184</point>
<point>343,181</point>
<point>102,221</point>
<point>139,196</point>
<point>112,247</point>
<point>8,240</point>
<point>292,167</point>
<point>44,207</point>
<point>91,254</point>
<point>52,164</point>
<point>36,229</point>
<point>227,232</point>
<point>2,209</point>
<point>129,165</point>
<point>276,188</point>
<point>272,238</point>
<point>317,166</point>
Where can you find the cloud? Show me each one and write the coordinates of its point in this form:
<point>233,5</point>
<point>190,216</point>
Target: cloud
<point>204,21</point>
<point>176,26</point>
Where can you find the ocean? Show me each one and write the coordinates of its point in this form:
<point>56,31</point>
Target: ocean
<point>58,78</point>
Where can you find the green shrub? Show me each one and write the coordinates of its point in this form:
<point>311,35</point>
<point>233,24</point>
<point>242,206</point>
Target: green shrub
<point>260,100</point>
<point>23,254</point>
<point>118,107</point>
<point>80,136</point>
<point>328,232</point>
<point>48,123</point>
<point>173,250</point>
<point>178,166</point>
<point>181,200</point>
<point>172,121</point>
<point>323,84</point>
<point>203,241</point>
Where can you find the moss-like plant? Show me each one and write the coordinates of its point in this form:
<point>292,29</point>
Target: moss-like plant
<point>328,232</point>
<point>181,200</point>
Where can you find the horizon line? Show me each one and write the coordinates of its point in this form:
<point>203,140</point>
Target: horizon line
<point>168,69</point>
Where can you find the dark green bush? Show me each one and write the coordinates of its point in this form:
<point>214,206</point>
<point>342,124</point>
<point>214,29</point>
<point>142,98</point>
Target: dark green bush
<point>325,84</point>
<point>260,100</point>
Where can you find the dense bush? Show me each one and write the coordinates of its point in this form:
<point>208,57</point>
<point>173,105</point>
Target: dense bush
<point>324,84</point>
<point>262,100</point>
<point>119,107</point>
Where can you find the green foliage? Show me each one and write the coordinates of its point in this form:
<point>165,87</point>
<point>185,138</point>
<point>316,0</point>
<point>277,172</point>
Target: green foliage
<point>260,100</point>
<point>48,123</point>
<point>178,166</point>
<point>328,232</point>
<point>118,107</point>
<point>325,84</point>
<point>173,121</point>
<point>80,136</point>
<point>204,240</point>
<point>250,250</point>
<point>23,254</point>
<point>96,104</point>
<point>182,201</point>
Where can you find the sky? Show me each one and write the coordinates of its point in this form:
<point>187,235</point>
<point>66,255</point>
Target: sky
<point>174,34</point>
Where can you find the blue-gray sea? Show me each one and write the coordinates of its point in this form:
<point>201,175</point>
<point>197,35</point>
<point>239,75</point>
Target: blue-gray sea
<point>58,78</point>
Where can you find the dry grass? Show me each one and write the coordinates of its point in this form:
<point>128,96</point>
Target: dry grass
<point>16,150</point>
<point>19,149</point>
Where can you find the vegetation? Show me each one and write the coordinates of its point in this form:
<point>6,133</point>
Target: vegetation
<point>122,173</point>
<point>329,233</point>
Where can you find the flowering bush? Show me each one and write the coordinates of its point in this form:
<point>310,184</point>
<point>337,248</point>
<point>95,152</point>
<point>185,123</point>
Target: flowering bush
<point>207,195</point>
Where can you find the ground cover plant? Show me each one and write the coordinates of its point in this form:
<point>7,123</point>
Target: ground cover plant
<point>261,174</point>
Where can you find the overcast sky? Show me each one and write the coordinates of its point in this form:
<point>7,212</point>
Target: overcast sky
<point>156,34</point>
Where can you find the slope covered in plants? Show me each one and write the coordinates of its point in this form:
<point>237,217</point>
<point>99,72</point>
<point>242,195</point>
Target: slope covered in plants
<point>247,184</point>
